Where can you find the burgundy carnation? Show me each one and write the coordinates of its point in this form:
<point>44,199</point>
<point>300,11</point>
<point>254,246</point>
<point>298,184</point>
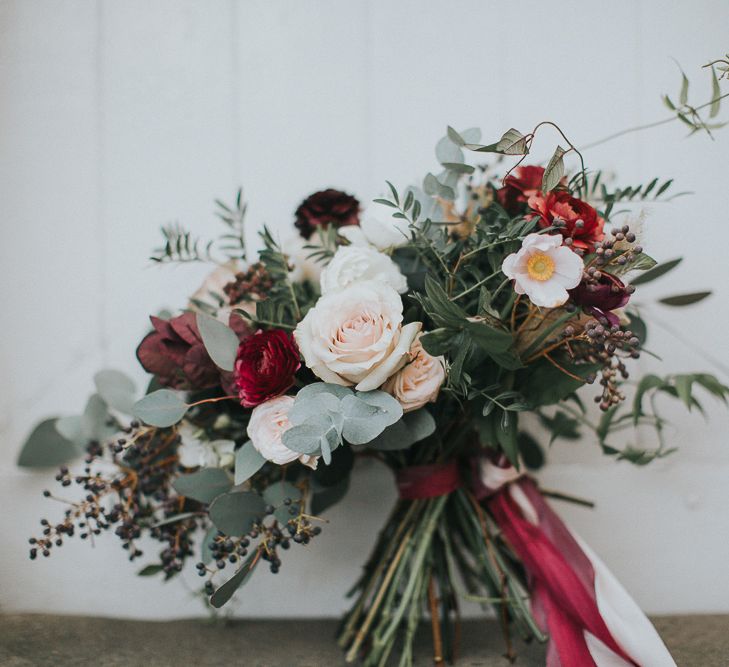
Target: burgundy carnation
<point>581,221</point>
<point>175,354</point>
<point>265,367</point>
<point>602,296</point>
<point>518,187</point>
<point>327,207</point>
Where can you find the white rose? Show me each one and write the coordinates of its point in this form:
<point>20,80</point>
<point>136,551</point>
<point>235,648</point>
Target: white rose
<point>352,264</point>
<point>419,381</point>
<point>266,427</point>
<point>355,336</point>
<point>382,229</point>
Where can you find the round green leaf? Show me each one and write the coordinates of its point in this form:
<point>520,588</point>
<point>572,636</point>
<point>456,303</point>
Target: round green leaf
<point>204,485</point>
<point>220,341</point>
<point>116,389</point>
<point>235,513</point>
<point>46,447</point>
<point>160,408</point>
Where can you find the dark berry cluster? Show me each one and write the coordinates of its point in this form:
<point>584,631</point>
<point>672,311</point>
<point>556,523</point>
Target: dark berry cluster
<point>619,248</point>
<point>269,533</point>
<point>607,346</point>
<point>248,285</point>
<point>135,497</point>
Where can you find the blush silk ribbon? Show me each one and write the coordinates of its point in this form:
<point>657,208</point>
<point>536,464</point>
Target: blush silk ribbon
<point>590,618</point>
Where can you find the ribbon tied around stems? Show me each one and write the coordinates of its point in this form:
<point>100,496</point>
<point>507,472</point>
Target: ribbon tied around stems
<point>590,618</point>
<point>428,481</point>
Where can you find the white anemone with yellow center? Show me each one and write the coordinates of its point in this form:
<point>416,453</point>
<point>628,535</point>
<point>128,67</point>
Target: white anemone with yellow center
<point>544,270</point>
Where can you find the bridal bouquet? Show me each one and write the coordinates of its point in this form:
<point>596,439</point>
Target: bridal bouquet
<point>417,331</point>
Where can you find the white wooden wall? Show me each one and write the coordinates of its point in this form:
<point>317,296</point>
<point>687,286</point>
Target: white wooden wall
<point>118,116</point>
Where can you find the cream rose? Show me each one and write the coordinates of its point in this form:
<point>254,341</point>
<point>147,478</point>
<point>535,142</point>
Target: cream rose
<point>352,264</point>
<point>266,427</point>
<point>355,336</point>
<point>419,381</point>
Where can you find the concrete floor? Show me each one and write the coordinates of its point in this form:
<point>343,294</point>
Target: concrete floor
<point>62,641</point>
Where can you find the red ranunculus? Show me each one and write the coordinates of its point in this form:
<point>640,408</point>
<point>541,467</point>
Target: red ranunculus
<point>602,296</point>
<point>521,184</point>
<point>324,208</point>
<point>265,367</point>
<point>581,221</point>
<point>175,354</point>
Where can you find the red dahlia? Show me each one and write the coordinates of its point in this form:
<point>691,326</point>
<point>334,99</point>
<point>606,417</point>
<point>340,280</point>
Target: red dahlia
<point>581,221</point>
<point>521,184</point>
<point>265,366</point>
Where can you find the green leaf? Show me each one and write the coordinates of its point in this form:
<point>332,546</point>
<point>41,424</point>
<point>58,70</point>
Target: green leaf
<point>116,389</point>
<point>667,101</point>
<point>683,95</point>
<point>235,513</point>
<point>455,137</point>
<point>161,408</point>
<point>220,341</point>
<point>656,272</point>
<point>715,95</point>
<point>433,187</point>
<point>447,151</point>
<point>512,142</point>
<point>206,553</point>
<point>561,425</point>
<point>647,383</point>
<point>490,339</point>
<point>367,415</point>
<point>554,171</point>
<point>545,384</point>
<point>531,452</point>
<point>248,461</point>
<point>46,447</point>
<point>684,299</point>
<point>506,434</point>
<point>204,485</point>
<point>149,570</point>
<point>276,493</point>
<point>413,427</point>
<point>225,592</point>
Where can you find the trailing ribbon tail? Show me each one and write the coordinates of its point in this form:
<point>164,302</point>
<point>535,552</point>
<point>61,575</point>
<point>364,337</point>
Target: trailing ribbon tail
<point>589,616</point>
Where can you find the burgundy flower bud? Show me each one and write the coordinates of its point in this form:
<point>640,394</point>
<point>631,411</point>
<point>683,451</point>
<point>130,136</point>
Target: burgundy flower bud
<point>324,208</point>
<point>174,352</point>
<point>265,366</point>
<point>601,297</point>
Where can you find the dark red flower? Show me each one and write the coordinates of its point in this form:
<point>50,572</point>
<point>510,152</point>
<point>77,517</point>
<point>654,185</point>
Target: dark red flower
<point>327,207</point>
<point>600,297</point>
<point>175,354</point>
<point>265,367</point>
<point>581,221</point>
<point>521,184</point>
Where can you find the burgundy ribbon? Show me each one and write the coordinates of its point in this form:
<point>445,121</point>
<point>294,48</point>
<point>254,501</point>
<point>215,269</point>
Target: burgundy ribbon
<point>428,481</point>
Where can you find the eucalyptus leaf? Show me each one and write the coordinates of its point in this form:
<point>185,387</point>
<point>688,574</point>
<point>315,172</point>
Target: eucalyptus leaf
<point>162,408</point>
<point>276,494</point>
<point>248,461</point>
<point>117,390</point>
<point>220,341</point>
<point>204,485</point>
<point>235,513</point>
<point>150,570</point>
<point>413,427</point>
<point>46,447</point>
<point>225,592</point>
<point>447,151</point>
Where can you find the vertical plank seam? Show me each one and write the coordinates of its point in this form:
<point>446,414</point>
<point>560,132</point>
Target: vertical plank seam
<point>100,224</point>
<point>235,106</point>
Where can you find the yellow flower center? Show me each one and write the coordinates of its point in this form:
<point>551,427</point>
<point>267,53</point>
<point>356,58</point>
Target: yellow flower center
<point>540,266</point>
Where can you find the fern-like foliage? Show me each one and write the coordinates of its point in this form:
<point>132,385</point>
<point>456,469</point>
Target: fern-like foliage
<point>181,246</point>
